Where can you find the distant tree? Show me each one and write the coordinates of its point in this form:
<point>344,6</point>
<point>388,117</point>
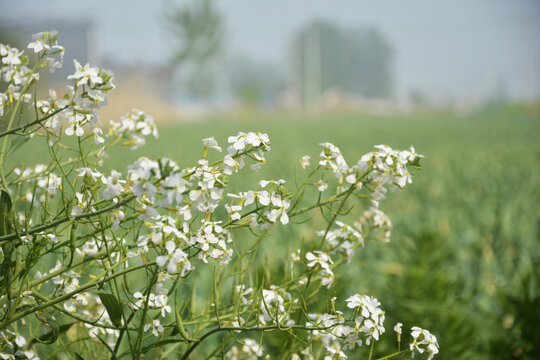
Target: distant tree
<point>198,32</point>
<point>324,55</point>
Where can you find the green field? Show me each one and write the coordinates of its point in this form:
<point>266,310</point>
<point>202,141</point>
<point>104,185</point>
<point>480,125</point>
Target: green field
<point>465,254</point>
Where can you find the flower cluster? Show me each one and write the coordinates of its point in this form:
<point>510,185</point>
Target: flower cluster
<point>134,127</point>
<point>322,262</point>
<point>340,334</point>
<point>388,167</point>
<point>373,220</point>
<point>15,72</point>
<point>80,102</point>
<point>47,183</point>
<point>369,322</point>
<point>423,341</point>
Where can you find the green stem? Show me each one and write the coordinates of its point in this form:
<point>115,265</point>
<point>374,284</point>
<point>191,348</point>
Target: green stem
<point>10,124</point>
<point>371,349</point>
<point>394,354</point>
<point>37,121</point>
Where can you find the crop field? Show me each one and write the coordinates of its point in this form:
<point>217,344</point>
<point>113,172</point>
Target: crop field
<point>464,254</point>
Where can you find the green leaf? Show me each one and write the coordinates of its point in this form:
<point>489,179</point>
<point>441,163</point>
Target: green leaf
<point>114,309</point>
<point>5,210</point>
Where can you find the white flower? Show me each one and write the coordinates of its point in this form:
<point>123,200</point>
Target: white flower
<point>76,123</point>
<point>142,300</point>
<point>46,40</point>
<point>423,341</point>
<point>230,165</point>
<point>156,327</point>
<point>234,211</point>
<point>53,238</point>
<point>327,277</point>
<point>264,183</point>
<point>161,302</point>
<point>20,341</point>
<point>52,63</point>
<point>173,188</point>
<point>211,143</point>
<point>81,205</point>
<point>259,157</point>
<point>371,319</point>
<point>334,352</point>
<point>280,211</point>
<point>318,257</point>
<point>147,212</point>
<point>258,139</point>
<point>295,256</point>
<point>116,217</point>
<point>397,328</point>
<point>135,126</point>
<point>3,102</point>
<point>331,157</point>
<point>238,142</point>
<point>89,173</point>
<point>10,56</point>
<point>175,256</point>
<point>5,337</point>
<point>85,75</point>
<point>98,136</point>
<point>274,305</point>
<point>372,328</point>
<point>113,184</point>
<point>304,161</point>
<point>263,197</point>
<point>321,185</point>
<point>38,45</point>
<point>185,212</point>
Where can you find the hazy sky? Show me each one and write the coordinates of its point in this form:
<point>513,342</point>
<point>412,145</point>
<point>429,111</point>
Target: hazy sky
<point>454,48</point>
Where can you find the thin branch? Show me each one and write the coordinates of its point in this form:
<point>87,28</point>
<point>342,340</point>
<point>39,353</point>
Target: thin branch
<point>37,121</point>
